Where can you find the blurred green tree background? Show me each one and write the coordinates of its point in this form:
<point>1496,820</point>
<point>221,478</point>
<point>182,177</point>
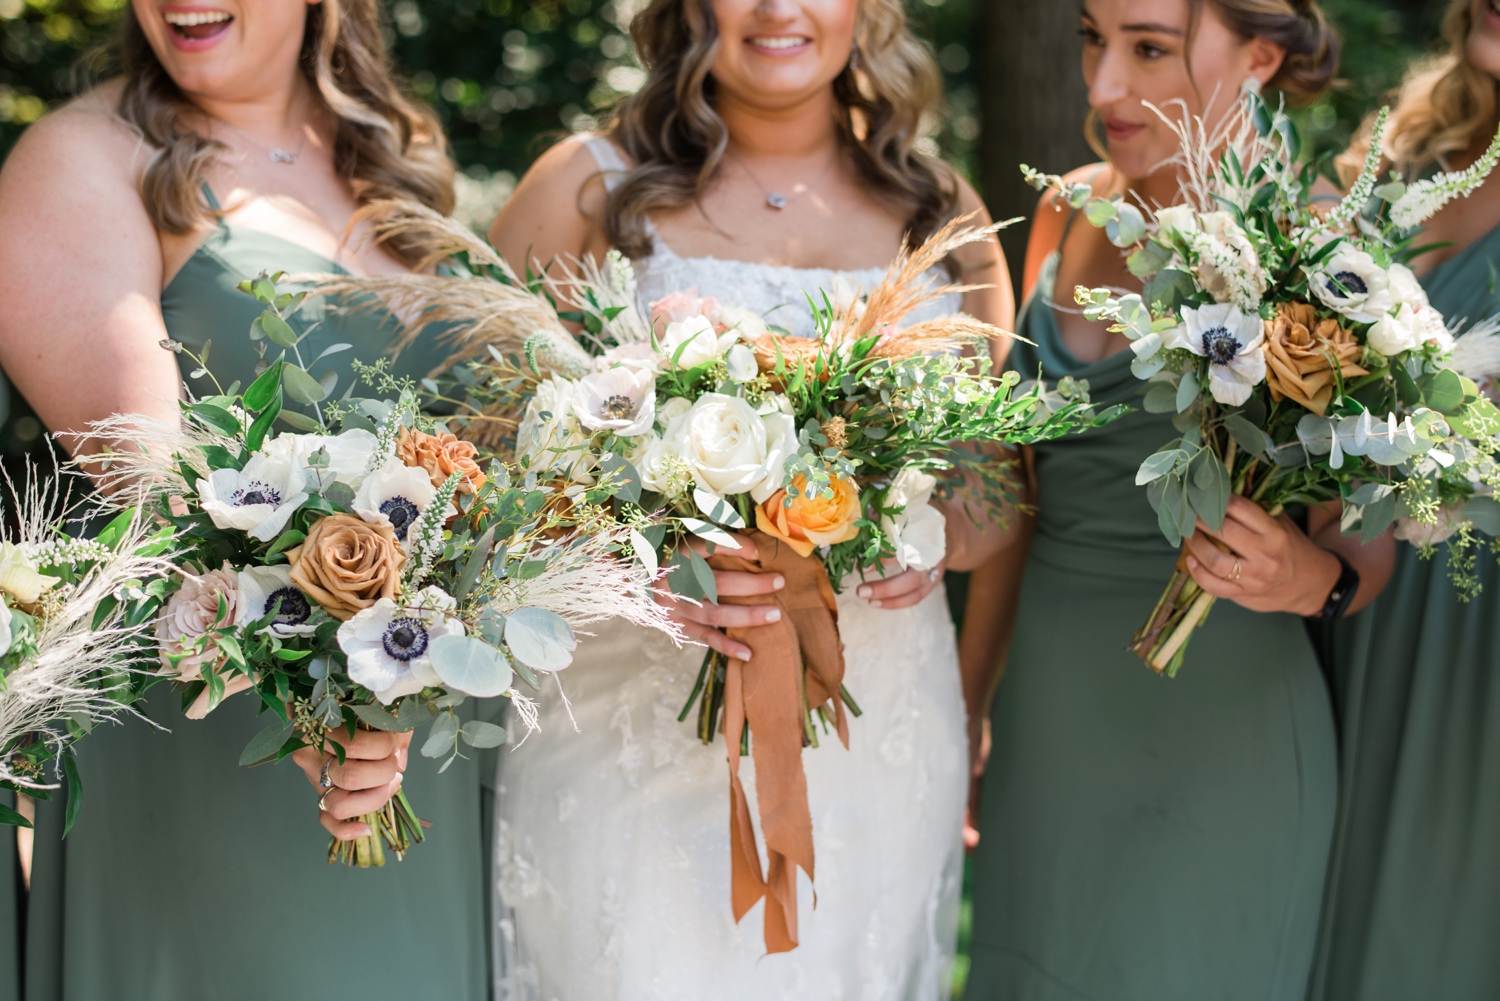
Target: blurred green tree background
<point>511,76</point>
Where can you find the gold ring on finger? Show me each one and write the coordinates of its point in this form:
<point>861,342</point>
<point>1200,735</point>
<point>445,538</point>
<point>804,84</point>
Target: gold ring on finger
<point>323,801</point>
<point>1235,573</point>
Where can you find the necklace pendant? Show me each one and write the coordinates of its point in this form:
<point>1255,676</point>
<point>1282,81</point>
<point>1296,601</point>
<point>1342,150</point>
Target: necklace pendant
<point>777,202</point>
<point>282,156</point>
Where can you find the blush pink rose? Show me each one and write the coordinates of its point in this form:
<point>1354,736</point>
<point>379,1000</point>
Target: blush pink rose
<point>191,613</point>
<point>679,306</point>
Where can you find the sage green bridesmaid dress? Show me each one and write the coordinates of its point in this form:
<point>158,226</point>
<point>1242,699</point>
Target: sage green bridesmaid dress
<point>190,878</point>
<point>1413,907</point>
<point>1142,838</point>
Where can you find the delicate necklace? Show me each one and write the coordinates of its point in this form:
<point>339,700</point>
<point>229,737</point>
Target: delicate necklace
<point>274,153</point>
<point>774,199</point>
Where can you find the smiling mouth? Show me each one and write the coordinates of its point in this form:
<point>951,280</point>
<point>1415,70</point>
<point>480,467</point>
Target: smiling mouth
<point>197,24</point>
<point>775,42</point>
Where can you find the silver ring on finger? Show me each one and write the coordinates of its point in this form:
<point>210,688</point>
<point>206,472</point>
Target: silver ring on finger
<point>324,781</point>
<point>323,801</point>
<point>934,574</point>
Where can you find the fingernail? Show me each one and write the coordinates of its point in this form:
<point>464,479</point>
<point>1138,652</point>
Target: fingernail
<point>363,831</point>
<point>742,655</point>
<point>864,591</point>
<point>874,602</point>
<point>773,615</point>
<point>778,583</point>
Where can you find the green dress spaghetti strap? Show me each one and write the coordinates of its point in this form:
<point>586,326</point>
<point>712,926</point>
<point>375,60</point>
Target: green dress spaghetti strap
<point>190,878</point>
<point>1413,907</point>
<point>1142,838</point>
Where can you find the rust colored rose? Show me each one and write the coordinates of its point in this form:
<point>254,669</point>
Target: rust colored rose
<point>347,565</point>
<point>811,521</point>
<point>1301,352</point>
<point>441,455</point>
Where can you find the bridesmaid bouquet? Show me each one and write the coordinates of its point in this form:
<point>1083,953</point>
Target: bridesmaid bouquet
<point>1296,351</point>
<point>76,617</point>
<point>364,570</point>
<point>698,419</point>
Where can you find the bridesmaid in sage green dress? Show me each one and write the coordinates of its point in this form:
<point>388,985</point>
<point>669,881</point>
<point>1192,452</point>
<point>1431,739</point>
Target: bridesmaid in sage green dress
<point>186,876</point>
<point>1413,908</point>
<point>1143,837</point>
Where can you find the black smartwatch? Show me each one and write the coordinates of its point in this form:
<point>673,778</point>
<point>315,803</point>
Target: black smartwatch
<point>1342,594</point>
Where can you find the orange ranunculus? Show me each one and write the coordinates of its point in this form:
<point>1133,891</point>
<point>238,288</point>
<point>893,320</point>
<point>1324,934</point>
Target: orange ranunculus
<point>1301,352</point>
<point>811,521</point>
<point>441,455</point>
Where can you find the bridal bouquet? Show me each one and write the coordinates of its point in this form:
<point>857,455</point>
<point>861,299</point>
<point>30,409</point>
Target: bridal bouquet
<point>701,420</point>
<point>75,633</point>
<point>365,571</point>
<point>1298,354</point>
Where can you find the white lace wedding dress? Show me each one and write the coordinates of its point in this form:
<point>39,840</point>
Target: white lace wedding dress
<point>612,844</point>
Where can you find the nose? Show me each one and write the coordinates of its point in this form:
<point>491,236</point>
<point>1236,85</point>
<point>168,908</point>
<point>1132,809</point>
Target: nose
<point>1111,82</point>
<point>777,11</point>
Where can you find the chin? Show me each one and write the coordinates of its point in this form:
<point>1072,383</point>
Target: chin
<point>1483,50</point>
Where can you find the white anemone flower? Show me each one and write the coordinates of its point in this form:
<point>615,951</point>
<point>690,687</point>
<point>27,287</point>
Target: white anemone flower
<point>549,432</point>
<point>918,533</point>
<point>396,495</point>
<point>1231,341</point>
<point>258,499</point>
<point>386,644</point>
<point>260,590</point>
<point>622,400</point>
<point>1352,283</point>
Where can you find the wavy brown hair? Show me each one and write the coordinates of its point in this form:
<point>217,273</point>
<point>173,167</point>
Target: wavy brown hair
<point>385,144</point>
<point>1445,105</point>
<point>675,138</point>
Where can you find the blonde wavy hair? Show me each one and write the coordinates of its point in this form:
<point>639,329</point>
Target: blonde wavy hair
<point>886,95</point>
<point>1444,106</point>
<point>386,145</point>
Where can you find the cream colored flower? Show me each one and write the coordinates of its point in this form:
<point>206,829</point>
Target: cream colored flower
<point>192,612</point>
<point>732,449</point>
<point>918,532</point>
<point>19,578</point>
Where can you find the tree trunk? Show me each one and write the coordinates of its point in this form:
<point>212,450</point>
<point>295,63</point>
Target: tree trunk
<point>1034,103</point>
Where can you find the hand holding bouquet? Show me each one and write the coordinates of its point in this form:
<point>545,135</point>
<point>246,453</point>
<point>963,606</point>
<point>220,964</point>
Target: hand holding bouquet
<point>1298,354</point>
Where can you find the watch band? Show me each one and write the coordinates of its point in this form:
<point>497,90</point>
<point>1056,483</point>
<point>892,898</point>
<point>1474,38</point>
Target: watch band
<point>1343,591</point>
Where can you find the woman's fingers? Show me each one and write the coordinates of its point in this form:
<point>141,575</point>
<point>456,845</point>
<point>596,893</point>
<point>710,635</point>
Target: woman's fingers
<point>747,550</point>
<point>357,773</point>
<point>346,804</point>
<point>715,639</point>
<point>371,744</point>
<point>345,830</point>
<point>1211,582</point>
<point>902,589</point>
<point>1214,559</point>
<point>1251,515</point>
<point>728,616</point>
<point>739,583</point>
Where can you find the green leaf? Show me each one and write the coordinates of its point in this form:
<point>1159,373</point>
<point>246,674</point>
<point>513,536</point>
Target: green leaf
<point>1208,489</point>
<point>301,386</point>
<point>286,540</point>
<point>264,745</point>
<point>717,509</point>
<point>624,476</point>
<point>276,329</point>
<point>1446,392</point>
<point>1099,211</point>
<point>340,495</point>
<point>1161,398</point>
<point>1249,437</point>
<point>711,532</point>
<point>529,569</point>
<point>1377,517</point>
<point>1127,228</point>
<point>540,639</point>
<point>374,716</point>
<point>300,422</point>
<point>75,793</point>
<point>1158,465</point>
<point>478,733</point>
<point>474,565</point>
<point>441,737</point>
<point>1187,390</point>
<point>472,666</point>
<point>263,390</point>
<point>11,817</point>
<point>220,418</point>
<point>1168,289</point>
<point>680,576</point>
<point>258,430</point>
<point>704,575</point>
<point>1484,512</point>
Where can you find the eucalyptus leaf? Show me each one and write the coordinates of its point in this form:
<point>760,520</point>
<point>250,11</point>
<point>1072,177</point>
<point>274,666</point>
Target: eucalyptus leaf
<point>1160,398</point>
<point>471,665</point>
<point>717,509</point>
<point>339,494</point>
<point>474,565</point>
<point>644,552</point>
<point>441,737</point>
<point>301,386</point>
<point>1158,465</point>
<point>713,533</point>
<point>540,639</point>
<point>1099,211</point>
<point>1484,512</point>
<point>301,422</point>
<point>1377,517</point>
<point>1249,437</point>
<point>378,718</point>
<point>332,349</point>
<point>276,329</point>
<point>1187,390</point>
<point>478,733</point>
<point>264,745</point>
<point>625,477</point>
<point>1127,228</point>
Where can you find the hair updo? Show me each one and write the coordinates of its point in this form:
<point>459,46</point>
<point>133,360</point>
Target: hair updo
<point>1299,27</point>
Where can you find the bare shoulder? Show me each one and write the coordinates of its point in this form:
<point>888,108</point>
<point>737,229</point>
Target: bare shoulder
<point>81,147</point>
<point>969,202</point>
<point>559,202</point>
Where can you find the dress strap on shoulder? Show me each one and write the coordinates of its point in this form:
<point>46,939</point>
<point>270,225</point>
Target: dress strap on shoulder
<point>208,194</point>
<point>611,164</point>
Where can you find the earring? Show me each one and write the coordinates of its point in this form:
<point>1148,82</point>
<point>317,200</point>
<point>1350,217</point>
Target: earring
<point>854,56</point>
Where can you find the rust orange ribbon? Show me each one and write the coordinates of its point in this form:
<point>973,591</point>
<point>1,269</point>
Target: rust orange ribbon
<point>765,693</point>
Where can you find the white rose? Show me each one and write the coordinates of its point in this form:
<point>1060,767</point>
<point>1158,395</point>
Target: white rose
<point>348,453</point>
<point>1176,220</point>
<point>918,533</point>
<point>740,321</point>
<point>1393,334</point>
<point>654,461</point>
<point>732,449</point>
<point>672,409</point>
<point>693,342</point>
<point>1405,288</point>
<point>622,400</point>
<point>549,433</point>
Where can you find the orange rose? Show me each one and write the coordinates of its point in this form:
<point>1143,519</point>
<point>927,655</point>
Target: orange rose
<point>811,521</point>
<point>441,455</point>
<point>1300,352</point>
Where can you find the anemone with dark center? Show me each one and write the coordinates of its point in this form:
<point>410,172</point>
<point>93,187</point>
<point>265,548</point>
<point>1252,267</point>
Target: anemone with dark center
<point>405,639</point>
<point>402,514</point>
<point>255,492</point>
<point>295,608</point>
<point>1352,284</point>
<point>1220,345</point>
<point>617,408</point>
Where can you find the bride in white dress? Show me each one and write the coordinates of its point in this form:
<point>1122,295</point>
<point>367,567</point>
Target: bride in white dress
<point>772,150</point>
